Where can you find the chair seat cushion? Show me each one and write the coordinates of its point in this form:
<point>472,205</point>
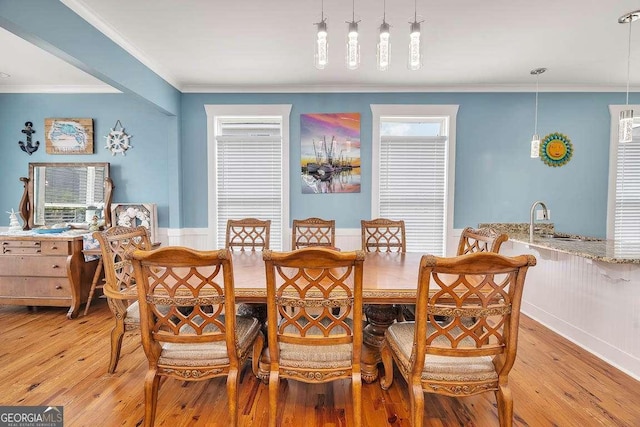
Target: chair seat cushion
<point>399,336</point>
<point>212,353</point>
<point>133,314</point>
<point>314,356</point>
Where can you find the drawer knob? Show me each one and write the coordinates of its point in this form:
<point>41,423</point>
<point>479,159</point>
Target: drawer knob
<point>54,247</point>
<point>55,266</point>
<point>59,287</point>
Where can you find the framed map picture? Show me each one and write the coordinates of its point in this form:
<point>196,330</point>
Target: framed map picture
<point>68,136</point>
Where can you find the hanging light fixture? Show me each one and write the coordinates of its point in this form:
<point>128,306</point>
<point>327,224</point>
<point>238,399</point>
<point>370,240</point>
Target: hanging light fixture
<point>535,140</point>
<point>625,126</point>
<point>384,46</point>
<point>415,47</point>
<point>321,51</point>
<point>353,47</point>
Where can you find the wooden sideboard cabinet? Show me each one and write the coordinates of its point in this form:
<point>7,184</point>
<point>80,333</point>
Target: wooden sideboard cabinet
<point>43,270</point>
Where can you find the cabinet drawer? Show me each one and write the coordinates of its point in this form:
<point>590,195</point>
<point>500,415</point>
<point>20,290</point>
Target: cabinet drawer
<point>34,287</point>
<point>17,247</point>
<point>29,266</point>
<point>54,247</point>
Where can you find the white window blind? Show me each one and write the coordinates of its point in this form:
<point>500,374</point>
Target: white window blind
<point>249,173</point>
<point>412,175</point>
<point>627,203</point>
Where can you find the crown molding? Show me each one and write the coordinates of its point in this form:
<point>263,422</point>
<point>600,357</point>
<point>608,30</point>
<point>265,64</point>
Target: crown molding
<point>396,89</point>
<point>62,89</point>
<point>92,18</point>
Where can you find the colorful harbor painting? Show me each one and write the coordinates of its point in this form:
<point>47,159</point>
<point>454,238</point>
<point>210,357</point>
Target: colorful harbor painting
<point>330,153</point>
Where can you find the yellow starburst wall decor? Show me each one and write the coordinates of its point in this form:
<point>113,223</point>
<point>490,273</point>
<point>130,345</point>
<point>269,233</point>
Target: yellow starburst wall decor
<point>556,149</point>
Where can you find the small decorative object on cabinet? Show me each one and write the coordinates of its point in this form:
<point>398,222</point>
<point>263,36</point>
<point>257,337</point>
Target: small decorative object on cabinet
<point>135,214</point>
<point>69,136</point>
<point>118,140</point>
<point>556,149</point>
<point>14,225</point>
<point>29,147</point>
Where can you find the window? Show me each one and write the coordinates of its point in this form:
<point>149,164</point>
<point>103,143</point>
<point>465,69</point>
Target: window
<point>413,171</point>
<point>624,182</point>
<point>248,167</point>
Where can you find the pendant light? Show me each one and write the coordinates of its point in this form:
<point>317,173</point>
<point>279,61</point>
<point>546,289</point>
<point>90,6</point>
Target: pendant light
<point>383,56</point>
<point>535,140</point>
<point>321,51</point>
<point>415,47</point>
<point>625,126</point>
<point>353,47</point>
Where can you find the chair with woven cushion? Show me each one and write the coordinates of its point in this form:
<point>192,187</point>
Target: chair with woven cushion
<point>383,235</point>
<point>484,239</point>
<point>119,286</point>
<point>314,308</point>
<point>187,321</point>
<point>249,233</point>
<point>449,356</point>
<point>313,232</point>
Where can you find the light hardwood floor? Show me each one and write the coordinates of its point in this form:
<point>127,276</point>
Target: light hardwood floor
<point>46,359</point>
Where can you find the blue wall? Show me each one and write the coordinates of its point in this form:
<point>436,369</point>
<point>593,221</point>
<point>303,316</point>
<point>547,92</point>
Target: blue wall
<point>139,176</point>
<point>496,180</point>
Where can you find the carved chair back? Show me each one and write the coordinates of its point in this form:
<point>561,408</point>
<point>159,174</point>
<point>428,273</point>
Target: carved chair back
<point>480,240</point>
<point>383,235</point>
<point>313,232</point>
<point>248,233</point>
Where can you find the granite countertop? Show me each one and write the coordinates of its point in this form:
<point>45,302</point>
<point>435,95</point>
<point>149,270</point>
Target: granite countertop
<point>611,251</point>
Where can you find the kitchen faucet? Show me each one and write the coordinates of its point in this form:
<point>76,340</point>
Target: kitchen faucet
<point>545,215</point>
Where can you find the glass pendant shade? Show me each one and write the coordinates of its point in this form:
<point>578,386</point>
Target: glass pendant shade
<point>384,48</point>
<point>353,47</point>
<point>535,146</point>
<point>625,127</point>
<point>321,54</point>
<point>415,47</point>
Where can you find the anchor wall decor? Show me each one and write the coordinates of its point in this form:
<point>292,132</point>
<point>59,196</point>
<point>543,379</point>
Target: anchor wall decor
<point>29,147</point>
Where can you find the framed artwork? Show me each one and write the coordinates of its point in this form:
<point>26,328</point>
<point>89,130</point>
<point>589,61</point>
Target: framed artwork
<point>68,136</point>
<point>135,214</point>
<point>330,153</point>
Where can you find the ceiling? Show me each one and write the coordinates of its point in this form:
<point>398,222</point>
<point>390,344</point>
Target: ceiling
<point>258,45</point>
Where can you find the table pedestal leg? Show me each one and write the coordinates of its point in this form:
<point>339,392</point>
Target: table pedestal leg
<point>379,317</point>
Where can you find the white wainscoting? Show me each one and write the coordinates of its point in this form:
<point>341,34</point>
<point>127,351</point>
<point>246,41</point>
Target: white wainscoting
<point>593,304</point>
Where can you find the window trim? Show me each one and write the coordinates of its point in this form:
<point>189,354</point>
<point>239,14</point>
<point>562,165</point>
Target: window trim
<point>614,110</point>
<point>216,110</point>
<point>449,112</point>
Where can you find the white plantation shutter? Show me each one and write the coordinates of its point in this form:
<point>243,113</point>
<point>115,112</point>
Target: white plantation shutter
<point>249,173</point>
<point>412,175</point>
<point>627,203</point>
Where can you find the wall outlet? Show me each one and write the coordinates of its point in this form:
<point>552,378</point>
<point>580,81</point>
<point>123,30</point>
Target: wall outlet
<point>540,215</point>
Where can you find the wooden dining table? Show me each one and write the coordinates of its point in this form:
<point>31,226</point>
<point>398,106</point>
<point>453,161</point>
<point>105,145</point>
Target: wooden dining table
<point>389,279</point>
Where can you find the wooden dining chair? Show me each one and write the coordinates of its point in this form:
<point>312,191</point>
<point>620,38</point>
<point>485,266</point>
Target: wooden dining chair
<point>119,285</point>
<point>249,233</point>
<point>472,240</point>
<point>313,232</point>
<point>484,239</point>
<point>314,312</point>
<point>449,356</point>
<point>188,324</point>
<point>383,235</point>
